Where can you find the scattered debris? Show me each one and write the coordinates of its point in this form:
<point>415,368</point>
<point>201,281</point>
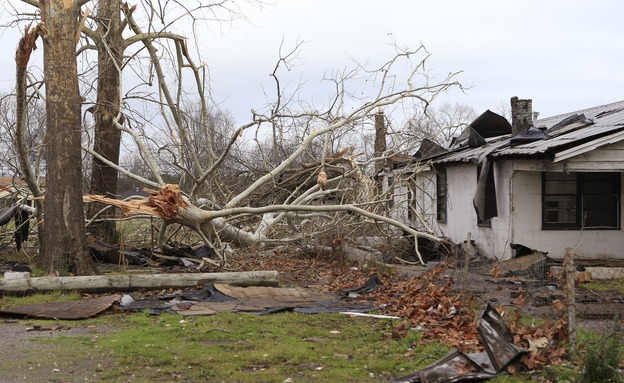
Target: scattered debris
<point>376,316</point>
<point>213,299</point>
<point>368,287</point>
<point>55,327</point>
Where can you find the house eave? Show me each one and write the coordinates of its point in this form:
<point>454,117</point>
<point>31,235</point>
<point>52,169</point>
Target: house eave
<point>589,146</point>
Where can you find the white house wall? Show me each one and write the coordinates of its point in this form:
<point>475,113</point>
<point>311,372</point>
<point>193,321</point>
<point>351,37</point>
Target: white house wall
<point>424,187</point>
<point>527,225</point>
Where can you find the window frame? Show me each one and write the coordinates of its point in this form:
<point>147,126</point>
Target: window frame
<point>580,195</point>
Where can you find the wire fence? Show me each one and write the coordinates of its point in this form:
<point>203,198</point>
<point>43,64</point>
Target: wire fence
<point>591,293</point>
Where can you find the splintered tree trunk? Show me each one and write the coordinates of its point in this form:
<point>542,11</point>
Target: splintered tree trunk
<point>107,137</point>
<point>65,248</point>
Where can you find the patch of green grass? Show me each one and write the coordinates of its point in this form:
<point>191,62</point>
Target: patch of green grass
<point>232,347</point>
<point>244,347</point>
<point>564,373</point>
<point>605,285</point>
<point>509,379</point>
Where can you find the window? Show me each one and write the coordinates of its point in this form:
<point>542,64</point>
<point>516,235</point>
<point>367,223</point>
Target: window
<point>441,196</point>
<point>581,200</point>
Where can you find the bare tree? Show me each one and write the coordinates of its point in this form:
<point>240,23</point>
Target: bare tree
<point>347,193</point>
<point>437,124</point>
<point>307,161</point>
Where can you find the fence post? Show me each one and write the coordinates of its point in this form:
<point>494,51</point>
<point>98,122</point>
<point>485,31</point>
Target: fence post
<point>569,274</point>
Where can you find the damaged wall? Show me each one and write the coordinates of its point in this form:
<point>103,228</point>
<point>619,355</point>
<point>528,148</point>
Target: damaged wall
<point>524,224</point>
<point>519,203</point>
<point>493,239</point>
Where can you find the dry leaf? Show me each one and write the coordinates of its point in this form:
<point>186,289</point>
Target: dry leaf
<point>558,306</point>
<point>535,345</point>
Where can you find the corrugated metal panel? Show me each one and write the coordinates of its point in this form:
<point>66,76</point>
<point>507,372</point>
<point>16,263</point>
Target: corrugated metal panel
<point>542,146</point>
<point>466,154</point>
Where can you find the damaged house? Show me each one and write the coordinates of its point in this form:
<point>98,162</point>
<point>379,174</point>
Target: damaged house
<point>546,184</point>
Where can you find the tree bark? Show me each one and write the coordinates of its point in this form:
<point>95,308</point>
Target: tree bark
<point>99,283</point>
<point>64,231</point>
<point>107,137</point>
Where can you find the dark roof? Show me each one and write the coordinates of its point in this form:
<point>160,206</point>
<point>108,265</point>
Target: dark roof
<point>490,124</point>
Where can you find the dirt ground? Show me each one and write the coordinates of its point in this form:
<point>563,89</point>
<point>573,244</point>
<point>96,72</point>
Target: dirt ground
<point>28,355</point>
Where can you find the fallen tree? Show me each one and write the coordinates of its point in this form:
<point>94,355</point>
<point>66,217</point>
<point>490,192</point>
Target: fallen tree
<point>169,205</point>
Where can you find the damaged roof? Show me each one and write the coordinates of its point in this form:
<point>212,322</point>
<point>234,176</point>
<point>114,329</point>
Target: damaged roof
<point>557,138</point>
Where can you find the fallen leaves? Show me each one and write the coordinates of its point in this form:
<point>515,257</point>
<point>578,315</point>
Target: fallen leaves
<point>429,303</point>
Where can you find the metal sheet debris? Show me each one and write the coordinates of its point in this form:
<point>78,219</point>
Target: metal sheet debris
<point>80,309</point>
<point>500,352</point>
<point>368,287</point>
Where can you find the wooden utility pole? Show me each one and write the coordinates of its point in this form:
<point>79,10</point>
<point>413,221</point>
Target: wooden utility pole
<point>569,274</point>
<point>380,140</point>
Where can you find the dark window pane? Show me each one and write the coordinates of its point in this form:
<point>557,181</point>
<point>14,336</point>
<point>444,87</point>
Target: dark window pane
<point>600,211</point>
<point>560,209</point>
<point>560,187</point>
<point>581,200</point>
<point>599,187</point>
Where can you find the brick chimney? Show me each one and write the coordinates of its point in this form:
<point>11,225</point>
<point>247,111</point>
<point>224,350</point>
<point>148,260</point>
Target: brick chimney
<point>521,115</point>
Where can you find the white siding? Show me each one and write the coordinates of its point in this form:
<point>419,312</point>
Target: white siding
<point>492,241</point>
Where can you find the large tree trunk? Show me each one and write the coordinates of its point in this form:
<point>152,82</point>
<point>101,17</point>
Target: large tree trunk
<point>64,232</point>
<point>107,137</point>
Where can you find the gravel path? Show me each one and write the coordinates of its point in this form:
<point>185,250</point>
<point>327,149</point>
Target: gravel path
<point>28,355</point>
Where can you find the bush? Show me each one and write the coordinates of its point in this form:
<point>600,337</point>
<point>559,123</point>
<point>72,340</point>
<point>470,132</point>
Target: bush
<point>602,358</point>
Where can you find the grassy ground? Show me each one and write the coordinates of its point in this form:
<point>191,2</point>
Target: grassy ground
<point>285,347</point>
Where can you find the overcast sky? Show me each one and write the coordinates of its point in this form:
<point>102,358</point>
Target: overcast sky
<point>565,55</point>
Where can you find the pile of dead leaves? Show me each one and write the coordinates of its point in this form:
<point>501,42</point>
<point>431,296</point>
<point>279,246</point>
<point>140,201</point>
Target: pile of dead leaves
<point>300,268</point>
<point>430,305</point>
